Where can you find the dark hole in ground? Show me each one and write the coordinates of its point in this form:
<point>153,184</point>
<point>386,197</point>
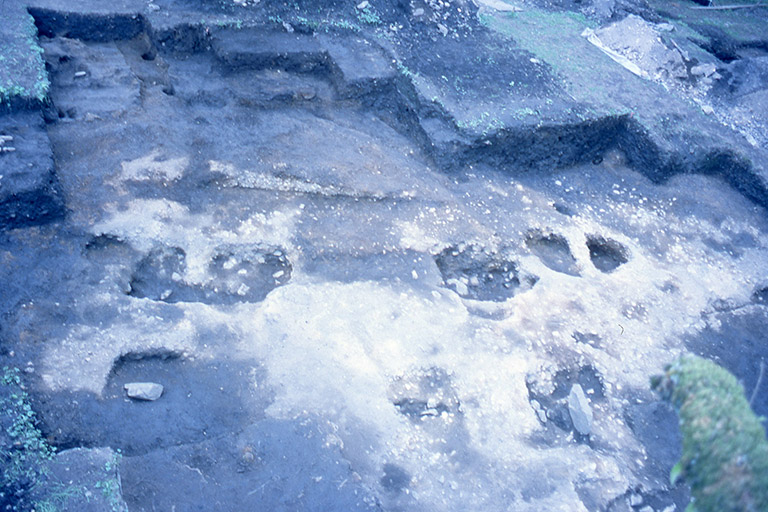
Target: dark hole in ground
<point>424,395</point>
<point>236,274</point>
<point>429,400</point>
<point>200,400</point>
<point>606,254</point>
<point>553,250</point>
<point>554,404</point>
<point>476,273</point>
<point>761,296</point>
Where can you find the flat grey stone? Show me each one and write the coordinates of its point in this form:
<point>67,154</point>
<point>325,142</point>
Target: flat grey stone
<point>144,390</point>
<point>581,412</point>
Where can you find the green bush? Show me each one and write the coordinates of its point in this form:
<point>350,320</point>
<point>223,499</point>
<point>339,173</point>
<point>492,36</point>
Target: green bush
<point>725,452</point>
<point>25,454</point>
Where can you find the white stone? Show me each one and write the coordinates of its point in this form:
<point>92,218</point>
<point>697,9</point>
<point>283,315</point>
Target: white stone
<point>581,412</point>
<point>144,390</point>
<point>457,285</point>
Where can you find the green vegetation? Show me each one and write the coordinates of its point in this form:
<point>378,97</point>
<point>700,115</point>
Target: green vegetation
<point>23,464</point>
<point>110,487</point>
<point>22,69</point>
<point>368,16</point>
<point>725,452</point>
<point>316,25</point>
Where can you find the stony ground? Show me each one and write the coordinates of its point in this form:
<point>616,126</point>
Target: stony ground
<point>386,255</point>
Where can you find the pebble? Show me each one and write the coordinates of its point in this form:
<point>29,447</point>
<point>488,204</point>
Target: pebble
<point>80,74</point>
<point>149,391</point>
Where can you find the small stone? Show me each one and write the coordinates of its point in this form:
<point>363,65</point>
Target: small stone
<point>363,5</point>
<point>707,69</point>
<point>418,12</point>
<point>707,109</point>
<point>143,390</point>
<point>443,29</point>
<point>581,412</point>
<point>635,500</point>
<point>80,74</point>
<point>457,285</point>
<point>665,27</point>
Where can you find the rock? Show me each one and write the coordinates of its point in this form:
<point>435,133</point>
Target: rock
<point>635,44</point>
<point>581,413</point>
<point>457,285</point>
<point>707,69</point>
<point>144,390</point>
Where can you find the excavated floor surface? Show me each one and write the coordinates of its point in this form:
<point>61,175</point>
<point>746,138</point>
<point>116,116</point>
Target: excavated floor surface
<point>264,222</point>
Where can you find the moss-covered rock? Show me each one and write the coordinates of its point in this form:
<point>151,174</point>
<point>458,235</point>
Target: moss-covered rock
<point>725,452</point>
<point>23,78</point>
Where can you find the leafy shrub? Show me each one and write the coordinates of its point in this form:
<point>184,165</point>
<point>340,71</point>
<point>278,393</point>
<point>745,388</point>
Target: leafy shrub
<point>725,452</point>
<point>24,454</point>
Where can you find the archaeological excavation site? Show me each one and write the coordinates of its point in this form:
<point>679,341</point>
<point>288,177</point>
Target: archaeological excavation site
<point>383,255</point>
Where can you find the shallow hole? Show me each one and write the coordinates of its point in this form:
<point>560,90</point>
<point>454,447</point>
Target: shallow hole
<point>476,273</point>
<point>553,250</point>
<point>607,255</point>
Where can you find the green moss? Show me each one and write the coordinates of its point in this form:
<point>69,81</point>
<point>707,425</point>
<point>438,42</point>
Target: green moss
<point>22,69</point>
<point>317,24</point>
<point>368,15</point>
<point>725,452</point>
<point>23,464</point>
